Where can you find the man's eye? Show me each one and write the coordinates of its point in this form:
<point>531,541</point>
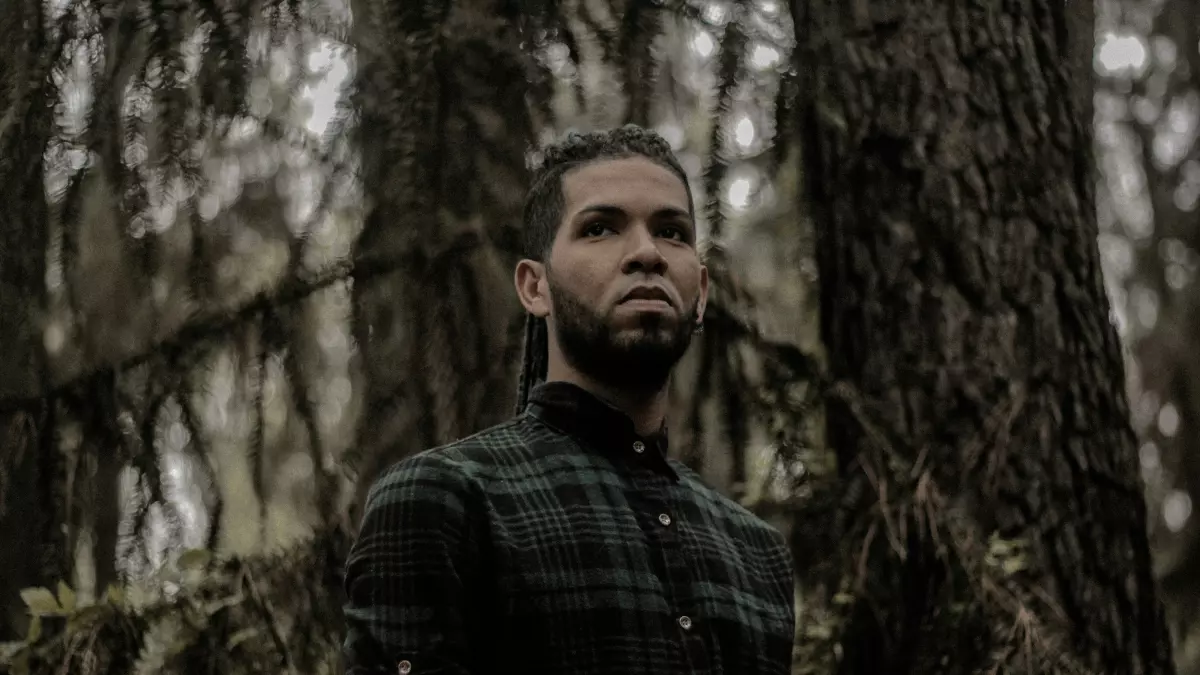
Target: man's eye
<point>673,233</point>
<point>596,229</point>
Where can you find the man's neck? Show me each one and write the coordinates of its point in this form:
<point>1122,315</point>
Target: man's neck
<point>646,409</point>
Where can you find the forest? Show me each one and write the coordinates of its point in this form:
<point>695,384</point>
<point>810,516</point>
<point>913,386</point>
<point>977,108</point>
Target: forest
<point>253,252</point>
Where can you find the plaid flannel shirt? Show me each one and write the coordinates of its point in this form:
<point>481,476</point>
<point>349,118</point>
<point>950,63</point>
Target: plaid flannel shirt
<point>562,543</point>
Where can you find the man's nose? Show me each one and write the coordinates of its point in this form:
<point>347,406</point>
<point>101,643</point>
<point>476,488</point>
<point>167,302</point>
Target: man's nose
<point>643,254</point>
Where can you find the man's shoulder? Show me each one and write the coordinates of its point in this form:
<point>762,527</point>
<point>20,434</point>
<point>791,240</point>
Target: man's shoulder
<point>457,461</point>
<point>481,446</point>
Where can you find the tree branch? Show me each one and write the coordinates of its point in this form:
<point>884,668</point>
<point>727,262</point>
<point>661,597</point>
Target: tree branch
<point>220,322</point>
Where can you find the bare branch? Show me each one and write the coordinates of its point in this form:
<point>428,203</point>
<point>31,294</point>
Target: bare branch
<point>217,323</point>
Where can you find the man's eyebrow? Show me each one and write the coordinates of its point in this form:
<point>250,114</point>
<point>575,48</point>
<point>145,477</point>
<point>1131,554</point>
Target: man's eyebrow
<point>673,212</point>
<point>602,209</point>
<point>610,210</point>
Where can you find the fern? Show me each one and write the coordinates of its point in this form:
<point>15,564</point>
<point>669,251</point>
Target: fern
<point>298,386</point>
<point>150,480</point>
<point>640,27</point>
<point>198,446</point>
<point>265,340</point>
<point>605,36</point>
<point>785,123</point>
<point>730,70</point>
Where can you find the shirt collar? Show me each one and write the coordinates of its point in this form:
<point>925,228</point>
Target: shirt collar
<point>582,415</point>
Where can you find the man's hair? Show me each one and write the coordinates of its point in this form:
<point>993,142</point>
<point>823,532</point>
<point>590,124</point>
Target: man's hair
<point>544,202</point>
<point>543,213</point>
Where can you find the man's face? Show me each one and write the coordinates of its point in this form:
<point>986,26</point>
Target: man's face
<point>625,283</point>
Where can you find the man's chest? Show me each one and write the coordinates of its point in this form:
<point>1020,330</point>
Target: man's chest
<point>638,570</point>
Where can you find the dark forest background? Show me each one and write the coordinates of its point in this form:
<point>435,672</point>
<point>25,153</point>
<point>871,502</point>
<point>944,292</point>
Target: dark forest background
<point>254,251</point>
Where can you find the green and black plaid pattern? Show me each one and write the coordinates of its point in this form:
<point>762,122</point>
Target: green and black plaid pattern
<point>561,543</point>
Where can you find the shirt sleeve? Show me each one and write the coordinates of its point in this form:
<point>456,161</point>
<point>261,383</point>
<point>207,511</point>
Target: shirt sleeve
<point>410,571</point>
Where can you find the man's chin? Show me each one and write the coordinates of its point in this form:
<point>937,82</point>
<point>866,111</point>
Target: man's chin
<point>630,361</point>
<point>654,347</point>
<point>642,340</point>
<point>649,327</point>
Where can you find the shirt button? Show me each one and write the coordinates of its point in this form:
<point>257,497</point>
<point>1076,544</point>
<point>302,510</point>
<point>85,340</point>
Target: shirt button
<point>665,520</point>
<point>404,668</point>
<point>685,622</point>
<point>639,447</point>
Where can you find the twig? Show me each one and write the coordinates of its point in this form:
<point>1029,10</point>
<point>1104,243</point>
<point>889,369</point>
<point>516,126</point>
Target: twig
<point>268,615</point>
<point>864,555</point>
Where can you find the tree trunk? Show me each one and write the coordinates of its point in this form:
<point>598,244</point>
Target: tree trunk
<point>446,122</point>
<point>1081,50</point>
<point>995,521</point>
<point>34,548</point>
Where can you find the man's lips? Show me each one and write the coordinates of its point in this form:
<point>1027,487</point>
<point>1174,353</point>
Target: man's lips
<point>648,295</point>
<point>643,303</point>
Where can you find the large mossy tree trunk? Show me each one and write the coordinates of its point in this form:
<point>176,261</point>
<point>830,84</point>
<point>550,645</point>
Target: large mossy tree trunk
<point>995,519</point>
<point>449,105</point>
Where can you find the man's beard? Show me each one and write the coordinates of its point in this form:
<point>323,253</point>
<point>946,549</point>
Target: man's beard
<point>640,362</point>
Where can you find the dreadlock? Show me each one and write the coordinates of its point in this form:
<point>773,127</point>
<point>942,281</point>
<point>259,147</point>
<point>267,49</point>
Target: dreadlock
<point>543,214</point>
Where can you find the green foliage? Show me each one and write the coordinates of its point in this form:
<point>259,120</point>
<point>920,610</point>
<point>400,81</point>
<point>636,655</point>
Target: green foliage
<point>1008,556</point>
<point>41,601</point>
<point>275,614</point>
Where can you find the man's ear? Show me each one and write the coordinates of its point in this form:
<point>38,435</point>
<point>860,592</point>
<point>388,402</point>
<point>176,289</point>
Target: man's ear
<point>532,287</point>
<point>702,302</point>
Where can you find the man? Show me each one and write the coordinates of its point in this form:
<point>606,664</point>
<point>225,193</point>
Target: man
<point>565,541</point>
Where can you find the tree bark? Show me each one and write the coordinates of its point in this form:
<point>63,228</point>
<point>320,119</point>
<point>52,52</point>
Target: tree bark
<point>1081,50</point>
<point>34,547</point>
<point>995,518</point>
<point>446,122</point>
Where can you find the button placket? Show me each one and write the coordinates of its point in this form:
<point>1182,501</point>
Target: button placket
<point>655,503</point>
